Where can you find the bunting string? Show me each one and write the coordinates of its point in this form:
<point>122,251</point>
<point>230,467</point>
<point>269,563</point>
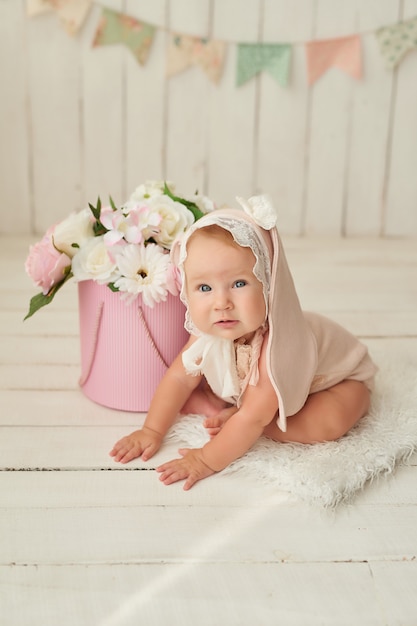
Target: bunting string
<point>185,51</point>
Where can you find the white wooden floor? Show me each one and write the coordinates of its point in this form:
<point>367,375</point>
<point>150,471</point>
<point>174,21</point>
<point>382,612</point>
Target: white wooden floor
<point>82,545</point>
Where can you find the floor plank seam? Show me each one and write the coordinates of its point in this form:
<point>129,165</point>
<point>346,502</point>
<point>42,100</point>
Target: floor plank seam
<point>197,561</point>
<point>77,469</point>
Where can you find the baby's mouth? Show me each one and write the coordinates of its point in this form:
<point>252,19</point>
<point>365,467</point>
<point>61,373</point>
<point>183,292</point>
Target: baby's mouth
<point>226,322</point>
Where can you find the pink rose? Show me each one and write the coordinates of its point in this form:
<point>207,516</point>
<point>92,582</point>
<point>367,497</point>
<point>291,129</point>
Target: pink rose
<point>45,264</point>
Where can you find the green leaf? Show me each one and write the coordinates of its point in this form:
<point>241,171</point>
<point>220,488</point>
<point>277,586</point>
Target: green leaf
<point>98,227</point>
<point>112,287</point>
<point>191,206</point>
<point>40,300</point>
<point>96,210</point>
<point>113,206</point>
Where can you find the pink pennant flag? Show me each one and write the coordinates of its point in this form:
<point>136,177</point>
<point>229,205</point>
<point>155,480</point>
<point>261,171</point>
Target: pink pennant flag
<point>344,53</point>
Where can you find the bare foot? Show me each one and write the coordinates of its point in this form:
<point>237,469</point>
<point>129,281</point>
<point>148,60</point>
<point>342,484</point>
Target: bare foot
<point>204,402</point>
<point>215,423</point>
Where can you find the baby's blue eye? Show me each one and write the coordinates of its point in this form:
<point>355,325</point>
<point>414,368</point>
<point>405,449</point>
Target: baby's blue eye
<point>240,283</point>
<point>204,288</point>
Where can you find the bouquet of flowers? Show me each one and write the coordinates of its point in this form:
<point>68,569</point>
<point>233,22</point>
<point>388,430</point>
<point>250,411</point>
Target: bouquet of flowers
<point>125,248</point>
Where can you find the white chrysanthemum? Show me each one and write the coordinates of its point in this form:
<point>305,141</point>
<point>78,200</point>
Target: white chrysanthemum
<point>93,261</point>
<point>175,219</point>
<point>76,228</point>
<point>144,271</point>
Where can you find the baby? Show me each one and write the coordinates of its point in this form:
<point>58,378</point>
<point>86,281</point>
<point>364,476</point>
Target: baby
<point>255,364</point>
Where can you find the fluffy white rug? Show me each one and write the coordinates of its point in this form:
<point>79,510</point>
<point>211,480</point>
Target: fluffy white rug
<point>329,473</point>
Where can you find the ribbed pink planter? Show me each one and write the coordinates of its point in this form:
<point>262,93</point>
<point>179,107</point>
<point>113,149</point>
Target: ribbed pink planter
<point>126,349</point>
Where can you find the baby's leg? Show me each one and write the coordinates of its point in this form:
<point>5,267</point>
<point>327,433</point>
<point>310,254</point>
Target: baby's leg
<point>326,415</point>
<point>203,402</point>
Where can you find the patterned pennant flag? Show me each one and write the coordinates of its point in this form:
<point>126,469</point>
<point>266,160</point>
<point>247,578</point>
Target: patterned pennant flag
<point>395,41</point>
<point>254,57</point>
<point>72,13</point>
<point>115,28</point>
<point>344,53</point>
<point>185,51</point>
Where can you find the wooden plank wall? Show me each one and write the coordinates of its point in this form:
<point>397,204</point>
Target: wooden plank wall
<point>337,157</point>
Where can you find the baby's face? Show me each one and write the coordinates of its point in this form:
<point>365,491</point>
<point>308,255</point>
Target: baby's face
<point>225,299</point>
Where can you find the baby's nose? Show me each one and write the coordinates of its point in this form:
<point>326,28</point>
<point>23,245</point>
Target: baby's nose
<point>222,300</point>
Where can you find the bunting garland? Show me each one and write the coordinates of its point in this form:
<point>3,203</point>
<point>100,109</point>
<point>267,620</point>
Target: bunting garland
<point>344,53</point>
<point>185,51</point>
<point>395,41</point>
<point>115,28</point>
<point>72,13</point>
<point>255,57</point>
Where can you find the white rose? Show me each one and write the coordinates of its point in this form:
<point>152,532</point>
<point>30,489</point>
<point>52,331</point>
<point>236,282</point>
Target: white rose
<point>93,261</point>
<point>175,219</point>
<point>76,228</point>
<point>150,189</point>
<point>261,209</point>
<point>204,203</point>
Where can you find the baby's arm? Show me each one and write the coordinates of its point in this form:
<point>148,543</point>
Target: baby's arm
<point>238,434</point>
<point>243,429</point>
<point>171,394</point>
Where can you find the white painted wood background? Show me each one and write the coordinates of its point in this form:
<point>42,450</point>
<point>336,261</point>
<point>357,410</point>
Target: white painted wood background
<point>338,157</point>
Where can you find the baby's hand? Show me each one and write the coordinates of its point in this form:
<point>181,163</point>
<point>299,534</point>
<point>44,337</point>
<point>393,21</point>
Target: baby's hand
<point>142,443</point>
<point>191,467</point>
<point>215,423</point>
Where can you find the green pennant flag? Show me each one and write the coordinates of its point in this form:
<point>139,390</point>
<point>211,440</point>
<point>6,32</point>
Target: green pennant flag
<point>116,28</point>
<point>395,41</point>
<point>255,57</point>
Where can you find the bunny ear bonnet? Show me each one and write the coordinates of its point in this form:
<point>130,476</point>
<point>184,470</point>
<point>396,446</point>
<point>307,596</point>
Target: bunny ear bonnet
<point>291,350</point>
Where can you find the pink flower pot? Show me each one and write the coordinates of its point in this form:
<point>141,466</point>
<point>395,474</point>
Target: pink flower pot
<point>126,349</point>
